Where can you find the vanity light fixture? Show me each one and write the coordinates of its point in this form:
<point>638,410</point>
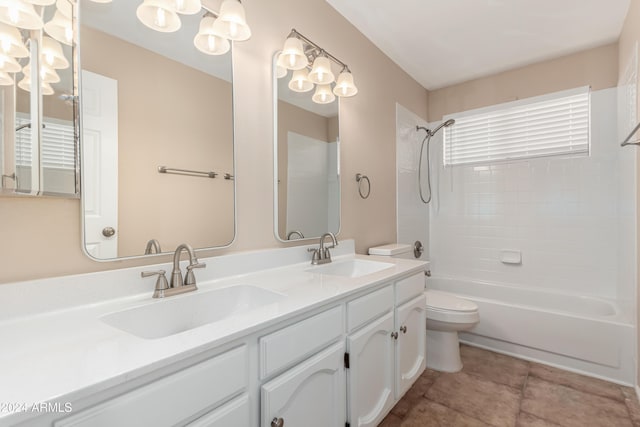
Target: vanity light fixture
<point>298,52</point>
<point>323,94</point>
<point>321,71</point>
<point>25,84</point>
<point>159,15</point>
<point>300,81</point>
<point>231,22</point>
<point>52,54</point>
<point>344,85</point>
<point>8,64</point>
<point>292,55</point>
<point>48,75</point>
<point>20,14</point>
<point>215,31</point>
<point>11,43</point>
<point>60,26</point>
<point>208,40</point>
<point>188,7</point>
<point>281,68</point>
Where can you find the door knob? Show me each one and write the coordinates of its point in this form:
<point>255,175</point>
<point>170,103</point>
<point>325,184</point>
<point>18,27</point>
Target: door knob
<point>277,422</point>
<point>108,231</point>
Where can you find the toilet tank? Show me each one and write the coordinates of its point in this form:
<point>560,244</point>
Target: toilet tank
<point>395,250</point>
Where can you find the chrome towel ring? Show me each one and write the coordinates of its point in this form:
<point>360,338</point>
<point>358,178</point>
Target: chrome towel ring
<point>359,179</point>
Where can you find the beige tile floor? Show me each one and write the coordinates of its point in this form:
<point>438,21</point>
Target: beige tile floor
<point>497,390</point>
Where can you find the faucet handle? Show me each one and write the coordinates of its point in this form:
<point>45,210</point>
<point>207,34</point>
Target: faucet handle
<point>190,278</point>
<point>196,265</point>
<point>161,284</point>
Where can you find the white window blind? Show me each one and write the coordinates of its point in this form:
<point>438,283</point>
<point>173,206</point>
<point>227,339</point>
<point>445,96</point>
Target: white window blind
<point>58,147</point>
<point>555,124</point>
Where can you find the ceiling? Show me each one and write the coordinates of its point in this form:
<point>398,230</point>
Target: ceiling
<point>444,42</point>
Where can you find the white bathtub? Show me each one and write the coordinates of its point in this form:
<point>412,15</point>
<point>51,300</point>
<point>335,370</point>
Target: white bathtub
<point>583,334</point>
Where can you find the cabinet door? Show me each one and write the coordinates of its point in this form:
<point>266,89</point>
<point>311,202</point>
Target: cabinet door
<point>370,374</point>
<point>310,394</point>
<point>411,348</point>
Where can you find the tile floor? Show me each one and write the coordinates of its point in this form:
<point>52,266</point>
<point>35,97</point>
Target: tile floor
<point>497,390</point>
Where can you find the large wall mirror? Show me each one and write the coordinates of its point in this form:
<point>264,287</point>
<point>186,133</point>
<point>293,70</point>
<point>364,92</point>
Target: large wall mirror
<point>38,148</point>
<point>157,135</point>
<point>307,162</point>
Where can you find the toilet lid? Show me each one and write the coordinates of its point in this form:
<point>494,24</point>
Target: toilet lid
<point>437,300</point>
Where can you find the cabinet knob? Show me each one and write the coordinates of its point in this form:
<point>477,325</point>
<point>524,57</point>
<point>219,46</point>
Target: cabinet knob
<point>394,335</point>
<point>277,422</point>
<point>403,329</point>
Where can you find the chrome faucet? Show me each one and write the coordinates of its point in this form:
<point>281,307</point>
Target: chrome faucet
<point>322,254</point>
<point>176,274</point>
<point>177,285</point>
<point>293,233</point>
<point>152,245</point>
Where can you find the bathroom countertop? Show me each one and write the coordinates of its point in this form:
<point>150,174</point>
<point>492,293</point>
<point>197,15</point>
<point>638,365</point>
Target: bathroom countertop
<point>69,353</point>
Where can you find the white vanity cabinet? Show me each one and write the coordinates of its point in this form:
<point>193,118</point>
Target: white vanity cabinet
<point>386,348</point>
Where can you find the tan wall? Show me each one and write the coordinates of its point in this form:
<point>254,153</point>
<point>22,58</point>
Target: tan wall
<point>41,237</point>
<point>595,67</point>
<point>629,40</point>
<point>153,91</point>
<point>303,122</point>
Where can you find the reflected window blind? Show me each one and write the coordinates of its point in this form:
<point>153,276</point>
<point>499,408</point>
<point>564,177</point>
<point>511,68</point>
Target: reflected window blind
<point>551,125</point>
<point>58,148</point>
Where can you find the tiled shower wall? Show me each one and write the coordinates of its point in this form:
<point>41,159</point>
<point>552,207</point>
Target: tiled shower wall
<point>562,214</point>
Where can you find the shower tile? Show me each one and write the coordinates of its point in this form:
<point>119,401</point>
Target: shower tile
<point>569,407</point>
<point>494,367</point>
<point>528,420</point>
<point>431,414</point>
<point>495,404</point>
<point>577,382</point>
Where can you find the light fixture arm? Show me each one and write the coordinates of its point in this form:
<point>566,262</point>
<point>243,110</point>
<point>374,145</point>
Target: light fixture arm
<point>295,33</point>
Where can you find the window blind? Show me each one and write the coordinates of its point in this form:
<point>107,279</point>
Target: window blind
<point>555,124</point>
<point>58,147</point>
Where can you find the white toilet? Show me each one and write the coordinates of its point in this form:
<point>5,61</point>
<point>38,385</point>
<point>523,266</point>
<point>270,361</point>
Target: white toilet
<point>447,314</point>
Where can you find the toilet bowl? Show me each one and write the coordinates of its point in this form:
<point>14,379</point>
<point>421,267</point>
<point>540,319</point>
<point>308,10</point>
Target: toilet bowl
<point>447,314</point>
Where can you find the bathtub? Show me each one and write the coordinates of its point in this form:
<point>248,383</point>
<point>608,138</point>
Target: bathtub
<point>588,335</point>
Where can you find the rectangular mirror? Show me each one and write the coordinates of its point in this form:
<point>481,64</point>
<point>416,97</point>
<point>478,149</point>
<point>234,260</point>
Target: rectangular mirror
<point>157,136</point>
<point>38,150</point>
<point>307,163</point>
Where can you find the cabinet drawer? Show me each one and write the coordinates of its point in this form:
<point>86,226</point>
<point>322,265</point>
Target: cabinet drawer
<point>368,307</point>
<point>410,287</point>
<point>172,399</point>
<point>296,342</point>
<point>235,413</point>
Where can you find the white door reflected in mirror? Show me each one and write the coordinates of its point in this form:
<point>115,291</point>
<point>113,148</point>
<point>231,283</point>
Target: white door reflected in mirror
<point>100,160</point>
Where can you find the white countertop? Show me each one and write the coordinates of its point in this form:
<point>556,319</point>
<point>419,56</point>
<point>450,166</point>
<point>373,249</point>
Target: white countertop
<point>67,352</point>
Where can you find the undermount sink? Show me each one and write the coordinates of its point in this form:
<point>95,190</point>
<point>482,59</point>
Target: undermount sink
<point>351,268</point>
<point>177,314</point>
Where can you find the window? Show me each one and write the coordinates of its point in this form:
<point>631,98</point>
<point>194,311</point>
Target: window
<point>549,125</point>
<point>58,147</point>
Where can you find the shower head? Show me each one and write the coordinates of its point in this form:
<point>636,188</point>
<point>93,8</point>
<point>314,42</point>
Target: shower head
<point>443,125</point>
<point>433,132</point>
